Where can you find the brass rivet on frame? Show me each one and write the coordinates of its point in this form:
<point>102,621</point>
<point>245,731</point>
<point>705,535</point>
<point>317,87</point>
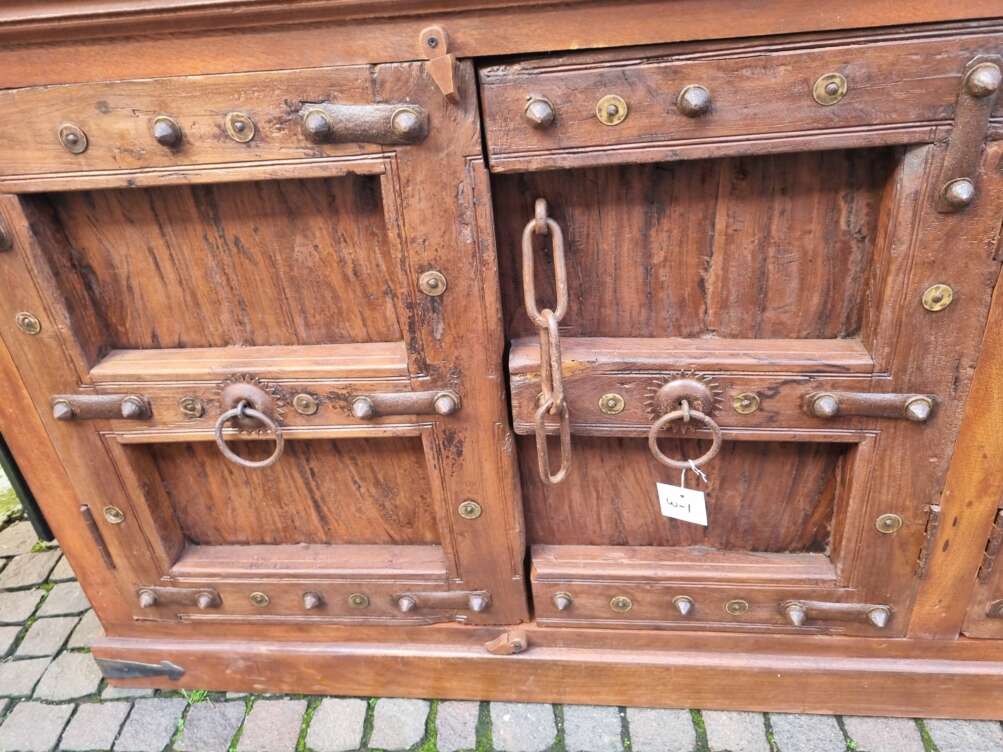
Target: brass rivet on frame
<point>611,404</point>
<point>191,406</point>
<point>432,283</point>
<point>239,126</point>
<point>259,599</point>
<point>888,523</point>
<point>28,323</point>
<point>611,110</point>
<point>305,404</point>
<point>358,600</point>
<point>73,139</point>
<point>469,509</point>
<point>829,89</point>
<point>621,604</point>
<point>736,607</point>
<point>745,403</point>
<point>937,297</point>
<point>114,515</point>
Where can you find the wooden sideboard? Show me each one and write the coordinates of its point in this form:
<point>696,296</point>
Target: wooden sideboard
<point>639,353</point>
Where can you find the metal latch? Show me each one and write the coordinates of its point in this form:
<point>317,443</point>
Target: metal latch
<point>100,407</point>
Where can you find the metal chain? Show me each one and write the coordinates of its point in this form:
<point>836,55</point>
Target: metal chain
<point>546,320</point>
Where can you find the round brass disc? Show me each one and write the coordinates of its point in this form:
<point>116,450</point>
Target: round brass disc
<point>829,89</point>
<point>937,297</point>
<point>239,126</point>
<point>611,110</point>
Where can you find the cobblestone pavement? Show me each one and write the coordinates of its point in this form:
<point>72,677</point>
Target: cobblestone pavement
<point>52,697</point>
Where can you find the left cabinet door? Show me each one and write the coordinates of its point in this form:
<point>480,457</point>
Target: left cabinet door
<point>264,348</point>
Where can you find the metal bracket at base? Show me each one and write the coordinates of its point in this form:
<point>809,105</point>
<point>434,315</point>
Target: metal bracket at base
<point>135,670</point>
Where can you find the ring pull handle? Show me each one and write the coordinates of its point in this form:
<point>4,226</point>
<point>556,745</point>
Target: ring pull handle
<point>244,410</point>
<point>685,413</point>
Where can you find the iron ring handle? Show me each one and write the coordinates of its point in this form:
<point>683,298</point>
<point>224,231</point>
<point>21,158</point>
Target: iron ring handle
<point>245,410</point>
<point>662,422</point>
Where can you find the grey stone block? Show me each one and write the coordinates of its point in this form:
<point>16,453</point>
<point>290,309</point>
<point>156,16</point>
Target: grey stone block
<point>46,637</point>
<point>522,727</point>
<point>7,637</point>
<point>33,727</point>
<point>209,727</point>
<point>337,726</point>
<point>28,570</point>
<point>63,571</point>
<point>398,723</point>
<point>592,728</point>
<point>3,706</point>
<point>966,736</point>
<point>656,730</point>
<point>118,693</point>
<point>272,726</point>
<point>884,734</point>
<point>65,598</point>
<point>18,678</point>
<point>94,726</point>
<point>735,732</point>
<point>87,631</point>
<point>456,725</point>
<point>17,608</point>
<point>17,539</point>
<point>69,677</point>
<point>151,725</point>
<point>797,732</point>
<point>235,695</point>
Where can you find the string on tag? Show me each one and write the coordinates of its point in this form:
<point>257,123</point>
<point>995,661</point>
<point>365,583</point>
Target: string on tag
<point>699,473</point>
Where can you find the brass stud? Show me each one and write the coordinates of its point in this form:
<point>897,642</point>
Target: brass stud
<point>684,604</point>
<point>693,101</point>
<point>621,604</point>
<point>133,408</point>
<point>540,112</point>
<point>239,126</point>
<point>937,297</point>
<point>888,523</point>
<point>363,408</point>
<point>358,600</point>
<point>611,404</point>
<point>736,607</point>
<point>167,132</point>
<point>478,602</point>
<point>205,600</point>
<point>114,515</point>
<point>469,509</point>
<point>829,89</point>
<point>918,409</point>
<point>959,193</point>
<point>432,283</point>
<point>879,616</point>
<point>191,406</point>
<point>406,603</point>
<point>317,125</point>
<point>62,410</point>
<point>305,404</point>
<point>562,601</point>
<point>73,139</point>
<point>405,123</point>
<point>312,601</point>
<point>824,406</point>
<point>28,323</point>
<point>147,599</point>
<point>611,110</point>
<point>983,80</point>
<point>745,403</point>
<point>446,403</point>
<point>259,599</point>
<point>796,614</point>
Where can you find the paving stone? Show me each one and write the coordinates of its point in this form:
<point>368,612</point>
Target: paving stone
<point>63,571</point>
<point>398,723</point>
<point>118,693</point>
<point>7,637</point>
<point>591,728</point>
<point>28,570</point>
<point>65,598</point>
<point>798,732</point>
<point>272,726</point>
<point>46,637</point>
<point>94,726</point>
<point>883,734</point>
<point>17,539</point>
<point>18,678</point>
<point>87,631</point>
<point>70,676</point>
<point>456,725</point>
<point>16,608</point>
<point>522,726</point>
<point>966,736</point>
<point>3,706</point>
<point>33,727</point>
<point>209,727</point>
<point>656,730</point>
<point>337,726</point>
<point>151,725</point>
<point>235,695</point>
<point>735,732</point>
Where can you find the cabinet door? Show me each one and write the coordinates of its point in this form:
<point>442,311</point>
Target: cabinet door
<point>759,232</point>
<point>195,285</point>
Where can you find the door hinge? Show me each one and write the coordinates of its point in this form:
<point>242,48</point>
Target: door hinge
<point>135,670</point>
<point>993,546</point>
<point>932,525</point>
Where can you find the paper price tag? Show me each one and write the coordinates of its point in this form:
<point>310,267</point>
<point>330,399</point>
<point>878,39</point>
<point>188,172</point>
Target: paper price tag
<point>684,504</point>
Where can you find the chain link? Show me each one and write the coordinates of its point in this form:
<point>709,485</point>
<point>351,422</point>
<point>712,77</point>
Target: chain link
<point>551,376</point>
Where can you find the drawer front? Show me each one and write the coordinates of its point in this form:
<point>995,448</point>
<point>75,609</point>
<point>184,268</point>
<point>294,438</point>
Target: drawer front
<point>250,118</point>
<point>762,97</point>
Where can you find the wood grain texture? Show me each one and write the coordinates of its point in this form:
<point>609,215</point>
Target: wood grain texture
<point>771,497</point>
<point>349,491</point>
<point>233,265</point>
<point>727,248</point>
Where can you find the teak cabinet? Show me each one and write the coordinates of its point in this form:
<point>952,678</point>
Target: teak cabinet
<point>357,367</point>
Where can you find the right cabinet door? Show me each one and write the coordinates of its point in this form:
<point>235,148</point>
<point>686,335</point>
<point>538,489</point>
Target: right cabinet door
<point>754,265</point>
